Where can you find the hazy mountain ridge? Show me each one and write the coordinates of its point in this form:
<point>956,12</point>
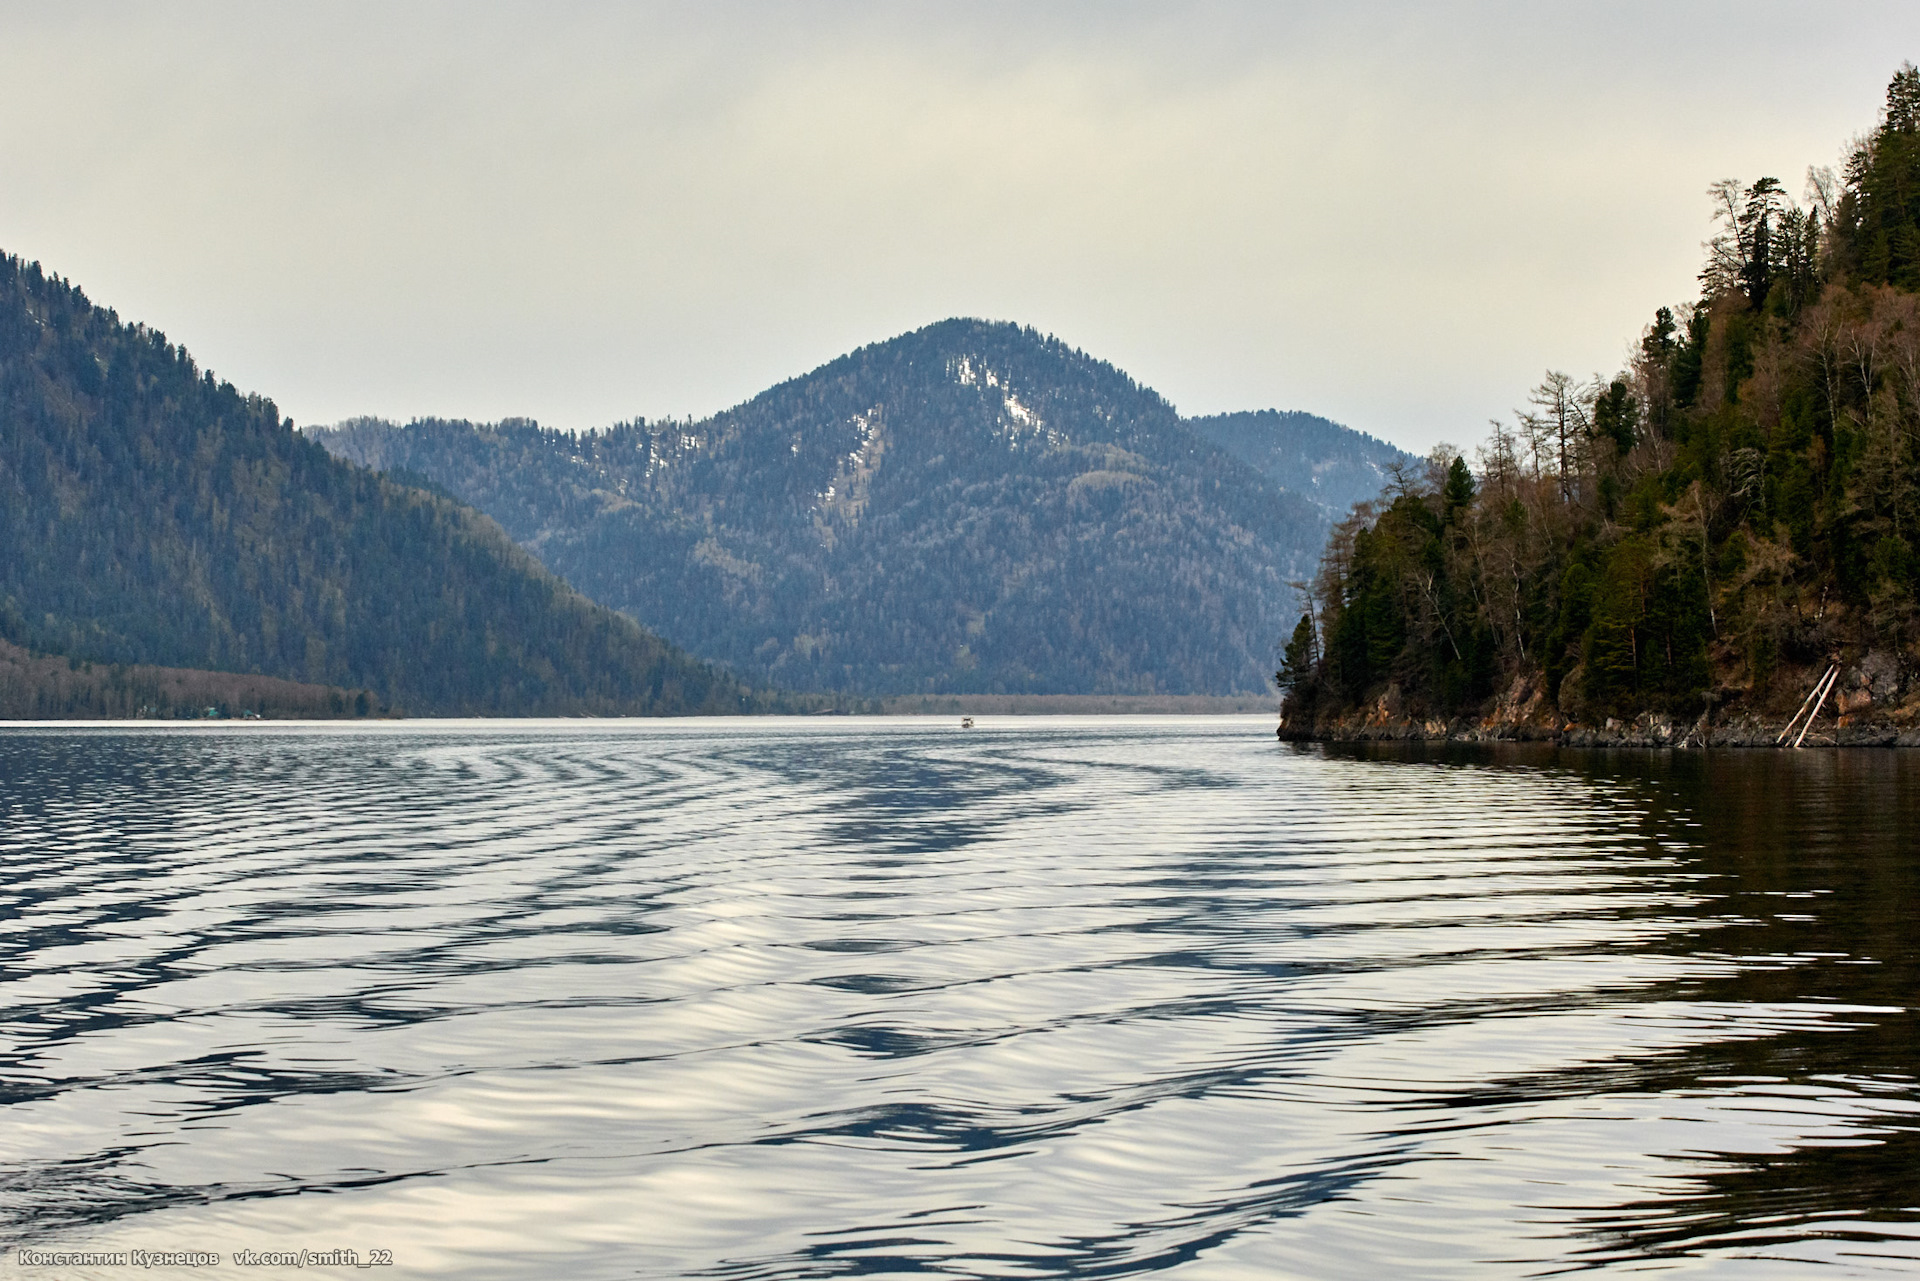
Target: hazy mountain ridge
<point>1315,457</point>
<point>152,515</point>
<point>972,507</point>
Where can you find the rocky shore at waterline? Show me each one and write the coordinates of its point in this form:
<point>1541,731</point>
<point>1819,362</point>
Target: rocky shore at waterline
<point>1869,704</point>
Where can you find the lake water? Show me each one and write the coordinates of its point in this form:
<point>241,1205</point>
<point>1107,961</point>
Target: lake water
<point>1046,998</point>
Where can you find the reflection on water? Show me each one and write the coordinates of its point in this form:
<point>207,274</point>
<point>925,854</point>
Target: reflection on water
<point>1048,998</point>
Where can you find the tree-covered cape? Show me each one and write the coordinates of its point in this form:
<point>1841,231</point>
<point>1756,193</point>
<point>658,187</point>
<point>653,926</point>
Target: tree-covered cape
<point>1739,506</point>
<point>152,515</point>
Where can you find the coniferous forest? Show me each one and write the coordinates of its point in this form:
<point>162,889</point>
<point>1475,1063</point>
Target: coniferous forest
<point>1702,534</point>
<point>153,515</point>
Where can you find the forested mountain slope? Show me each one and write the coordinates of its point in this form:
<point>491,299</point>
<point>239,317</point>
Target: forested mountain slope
<point>1314,457</point>
<point>151,515</point>
<point>1712,529</point>
<point>968,508</point>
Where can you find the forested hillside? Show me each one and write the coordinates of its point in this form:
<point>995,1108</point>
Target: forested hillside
<point>1716,524</point>
<point>150,514</point>
<point>968,508</point>
<point>1334,466</point>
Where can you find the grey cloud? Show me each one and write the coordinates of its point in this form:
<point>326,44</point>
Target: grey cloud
<point>1393,215</point>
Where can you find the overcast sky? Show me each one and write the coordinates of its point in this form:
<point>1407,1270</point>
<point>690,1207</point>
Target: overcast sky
<point>1394,215</point>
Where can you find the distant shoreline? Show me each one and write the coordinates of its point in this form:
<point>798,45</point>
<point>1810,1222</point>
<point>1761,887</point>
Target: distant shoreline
<point>1078,704</point>
<point>941,705</point>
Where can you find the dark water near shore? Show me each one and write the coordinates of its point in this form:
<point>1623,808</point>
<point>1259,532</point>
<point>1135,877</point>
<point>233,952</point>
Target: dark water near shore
<point>1072,998</point>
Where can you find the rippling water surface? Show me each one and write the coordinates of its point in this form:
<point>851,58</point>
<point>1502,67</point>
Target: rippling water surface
<point>1075,998</point>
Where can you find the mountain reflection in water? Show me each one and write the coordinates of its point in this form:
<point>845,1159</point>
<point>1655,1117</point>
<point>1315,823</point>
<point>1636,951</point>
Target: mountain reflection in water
<point>1076,998</point>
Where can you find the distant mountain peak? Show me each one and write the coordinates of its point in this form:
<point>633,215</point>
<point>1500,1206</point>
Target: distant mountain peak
<point>972,506</point>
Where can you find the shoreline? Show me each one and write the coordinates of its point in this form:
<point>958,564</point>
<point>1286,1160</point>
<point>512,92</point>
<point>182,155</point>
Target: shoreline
<point>1648,730</point>
<point>1078,704</point>
<point>1872,705</point>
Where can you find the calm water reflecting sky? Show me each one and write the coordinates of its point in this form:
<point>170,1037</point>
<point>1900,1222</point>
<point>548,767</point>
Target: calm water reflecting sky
<point>1074,998</point>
